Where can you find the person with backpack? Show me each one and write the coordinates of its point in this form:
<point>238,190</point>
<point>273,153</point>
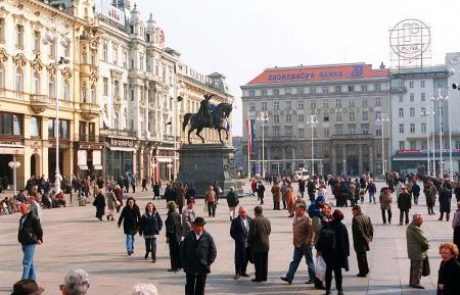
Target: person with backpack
<point>333,246</point>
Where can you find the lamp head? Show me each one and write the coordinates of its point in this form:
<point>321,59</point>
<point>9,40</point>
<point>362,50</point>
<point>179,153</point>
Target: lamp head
<point>455,86</point>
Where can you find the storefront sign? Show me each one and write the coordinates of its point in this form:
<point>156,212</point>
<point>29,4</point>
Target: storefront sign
<point>122,143</point>
<point>82,158</point>
<point>97,158</point>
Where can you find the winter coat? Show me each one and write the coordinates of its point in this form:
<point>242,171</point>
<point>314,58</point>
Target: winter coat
<point>99,203</point>
<point>150,224</point>
<point>362,231</point>
<point>416,190</point>
<point>291,198</point>
<point>259,234</point>
<point>180,196</point>
<point>30,231</point>
<point>173,226</point>
<point>276,191</point>
<point>198,255</point>
<point>232,199</point>
<point>448,275</point>
<point>445,197</point>
<point>417,243</point>
<point>210,197</point>
<point>404,201</point>
<point>260,191</point>
<point>371,188</point>
<point>130,218</point>
<point>338,256</point>
<point>385,201</point>
<point>430,195</point>
<point>111,201</point>
<point>188,217</point>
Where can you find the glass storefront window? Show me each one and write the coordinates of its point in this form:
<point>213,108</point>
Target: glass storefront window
<point>7,124</point>
<point>34,126</point>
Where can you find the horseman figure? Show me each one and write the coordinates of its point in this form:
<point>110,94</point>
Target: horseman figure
<point>206,110</point>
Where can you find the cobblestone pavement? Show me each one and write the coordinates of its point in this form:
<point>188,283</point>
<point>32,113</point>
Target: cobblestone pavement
<point>73,238</point>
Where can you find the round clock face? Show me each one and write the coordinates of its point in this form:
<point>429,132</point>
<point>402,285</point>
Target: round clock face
<point>410,38</point>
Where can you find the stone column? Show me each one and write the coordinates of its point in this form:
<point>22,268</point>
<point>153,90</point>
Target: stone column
<point>283,153</point>
<point>333,160</point>
<point>371,158</point>
<point>293,159</point>
<point>344,159</point>
<point>360,159</point>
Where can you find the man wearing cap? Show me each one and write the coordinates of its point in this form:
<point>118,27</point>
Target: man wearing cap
<point>363,233</point>
<point>30,233</point>
<point>404,204</point>
<point>239,231</point>
<point>198,252</point>
<point>259,242</point>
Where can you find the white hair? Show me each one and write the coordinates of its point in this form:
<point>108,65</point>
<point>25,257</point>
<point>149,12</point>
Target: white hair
<point>76,282</point>
<point>145,289</point>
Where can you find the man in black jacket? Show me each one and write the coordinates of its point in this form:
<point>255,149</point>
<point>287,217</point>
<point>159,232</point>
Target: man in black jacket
<point>259,241</point>
<point>239,232</point>
<point>30,233</point>
<point>198,252</point>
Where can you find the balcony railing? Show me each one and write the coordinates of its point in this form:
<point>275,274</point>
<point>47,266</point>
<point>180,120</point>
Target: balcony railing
<point>39,103</point>
<point>89,111</point>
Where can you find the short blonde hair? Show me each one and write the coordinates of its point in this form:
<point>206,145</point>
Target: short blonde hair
<point>451,247</point>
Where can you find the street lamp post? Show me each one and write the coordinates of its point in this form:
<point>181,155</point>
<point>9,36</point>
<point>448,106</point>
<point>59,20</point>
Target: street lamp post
<point>65,42</point>
<point>169,170</point>
<point>263,117</point>
<point>382,119</point>
<point>440,99</point>
<point>14,165</point>
<point>425,113</point>
<point>313,121</point>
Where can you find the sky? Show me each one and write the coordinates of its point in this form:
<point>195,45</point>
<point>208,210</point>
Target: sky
<point>240,38</point>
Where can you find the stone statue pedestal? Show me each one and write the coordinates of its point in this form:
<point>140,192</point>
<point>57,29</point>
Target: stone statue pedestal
<point>205,164</point>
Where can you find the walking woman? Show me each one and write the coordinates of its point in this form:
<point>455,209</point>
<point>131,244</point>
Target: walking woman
<point>334,246</point>
<point>291,198</point>
<point>150,227</point>
<point>173,236</point>
<point>130,216</point>
<point>211,200</point>
<point>99,203</point>
<point>111,204</point>
<point>449,270</point>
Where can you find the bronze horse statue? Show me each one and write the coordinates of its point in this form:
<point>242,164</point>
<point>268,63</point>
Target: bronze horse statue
<point>216,118</point>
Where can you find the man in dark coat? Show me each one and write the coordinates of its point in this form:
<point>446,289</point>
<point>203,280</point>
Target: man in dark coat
<point>239,231</point>
<point>30,233</point>
<point>260,192</point>
<point>363,233</point>
<point>404,204</point>
<point>173,225</point>
<point>311,189</point>
<point>302,187</point>
<point>445,197</point>
<point>198,252</point>
<point>259,242</point>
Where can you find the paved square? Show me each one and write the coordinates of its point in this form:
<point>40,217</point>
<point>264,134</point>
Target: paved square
<point>73,238</point>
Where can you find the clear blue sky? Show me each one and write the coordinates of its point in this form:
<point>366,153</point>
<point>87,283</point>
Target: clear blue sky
<point>240,38</point>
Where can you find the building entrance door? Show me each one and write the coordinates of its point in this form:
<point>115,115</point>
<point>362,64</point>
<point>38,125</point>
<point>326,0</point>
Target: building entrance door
<point>352,165</point>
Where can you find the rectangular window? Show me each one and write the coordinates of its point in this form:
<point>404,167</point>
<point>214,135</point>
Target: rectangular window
<point>276,118</point>
<point>402,145</point>
<point>412,128</point>
<point>412,112</point>
<point>37,41</point>
<point>338,129</point>
<point>401,112</point>
<point>276,131</point>
<point>423,128</point>
<point>413,144</point>
<point>401,128</point>
<point>20,36</point>
<point>422,96</point>
<point>301,118</point>
<point>364,102</point>
<point>252,108</point>
<point>276,105</point>
<point>92,131</point>
<point>325,104</point>
<point>264,92</point>
<point>300,91</point>
<point>401,98</point>
<point>411,84</point>
<point>288,118</point>
<point>276,92</point>
<point>82,131</point>
<point>288,105</point>
<point>264,105</point>
<point>422,84</point>
<point>10,124</point>
<point>377,87</point>
<point>364,87</point>
<point>338,103</point>
<point>106,86</point>
<point>337,89</point>
<point>378,131</point>
<point>2,30</point>
<point>35,126</point>
<point>301,133</point>
<point>326,118</point>
<point>457,144</point>
<point>338,117</point>
<point>365,116</point>
<point>411,97</point>
<point>52,49</point>
<point>351,88</point>
<point>365,129</point>
<point>66,90</point>
<point>351,116</point>
<point>378,115</point>
<point>325,90</point>
<point>252,92</point>
<point>378,102</point>
<point>351,103</point>
<point>423,145</point>
<point>300,104</point>
<point>313,104</point>
<point>326,132</point>
<point>313,90</point>
<point>63,130</point>
<point>115,54</point>
<point>105,49</point>
<point>287,90</point>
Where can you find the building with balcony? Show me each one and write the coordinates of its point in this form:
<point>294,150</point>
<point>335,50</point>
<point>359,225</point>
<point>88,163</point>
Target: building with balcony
<point>344,101</point>
<point>41,45</point>
<point>418,116</point>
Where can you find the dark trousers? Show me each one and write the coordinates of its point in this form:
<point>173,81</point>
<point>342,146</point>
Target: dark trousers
<point>403,213</point>
<point>384,211</point>
<point>311,197</point>
<point>174,254</point>
<point>260,260</point>
<point>144,188</point>
<point>276,205</point>
<point>337,275</point>
<point>415,272</point>
<point>447,216</point>
<point>363,266</point>
<point>212,209</point>
<point>195,284</point>
<point>416,200</point>
<point>284,204</point>
<point>180,208</point>
<point>457,236</point>
<point>134,188</point>
<point>151,247</point>
<point>241,259</point>
<point>430,206</point>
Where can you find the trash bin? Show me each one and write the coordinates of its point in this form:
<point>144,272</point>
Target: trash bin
<point>82,202</point>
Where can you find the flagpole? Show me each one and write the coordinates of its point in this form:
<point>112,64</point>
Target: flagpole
<point>248,134</point>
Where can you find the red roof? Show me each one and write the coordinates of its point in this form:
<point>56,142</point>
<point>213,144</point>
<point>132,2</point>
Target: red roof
<point>319,73</point>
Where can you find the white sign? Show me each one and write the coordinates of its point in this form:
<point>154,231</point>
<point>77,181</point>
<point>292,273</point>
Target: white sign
<point>410,38</point>
<point>111,12</point>
<point>97,157</point>
<point>81,158</point>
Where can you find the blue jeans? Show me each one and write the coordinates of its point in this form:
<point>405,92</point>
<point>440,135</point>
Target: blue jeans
<point>299,252</point>
<point>130,243</point>
<point>371,197</point>
<point>28,269</point>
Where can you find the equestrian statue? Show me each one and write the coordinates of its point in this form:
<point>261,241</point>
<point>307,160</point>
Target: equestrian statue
<point>209,116</point>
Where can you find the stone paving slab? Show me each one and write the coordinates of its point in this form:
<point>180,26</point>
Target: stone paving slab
<point>73,238</point>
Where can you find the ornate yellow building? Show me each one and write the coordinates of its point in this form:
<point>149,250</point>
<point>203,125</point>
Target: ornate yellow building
<point>48,58</point>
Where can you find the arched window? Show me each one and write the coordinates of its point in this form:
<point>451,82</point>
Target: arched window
<point>36,84</point>
<point>2,77</point>
<point>51,87</point>
<point>19,80</point>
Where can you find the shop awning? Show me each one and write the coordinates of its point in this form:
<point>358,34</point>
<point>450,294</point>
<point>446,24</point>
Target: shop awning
<point>122,149</point>
<point>164,160</point>
<point>11,149</point>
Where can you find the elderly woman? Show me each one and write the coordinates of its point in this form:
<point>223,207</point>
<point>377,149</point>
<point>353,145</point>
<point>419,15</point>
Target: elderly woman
<point>99,203</point>
<point>276,192</point>
<point>111,201</point>
<point>449,270</point>
<point>76,282</point>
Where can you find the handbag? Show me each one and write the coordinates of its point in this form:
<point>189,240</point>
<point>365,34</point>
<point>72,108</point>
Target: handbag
<point>426,267</point>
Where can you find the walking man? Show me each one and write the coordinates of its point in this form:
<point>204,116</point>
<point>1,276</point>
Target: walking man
<point>363,233</point>
<point>417,246</point>
<point>259,241</point>
<point>198,252</point>
<point>232,202</point>
<point>30,234</point>
<point>404,204</point>
<point>239,231</point>
<point>385,204</point>
<point>302,230</point>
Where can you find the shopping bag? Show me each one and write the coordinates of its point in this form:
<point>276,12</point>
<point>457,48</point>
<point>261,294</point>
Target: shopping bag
<point>320,270</point>
<point>426,267</point>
